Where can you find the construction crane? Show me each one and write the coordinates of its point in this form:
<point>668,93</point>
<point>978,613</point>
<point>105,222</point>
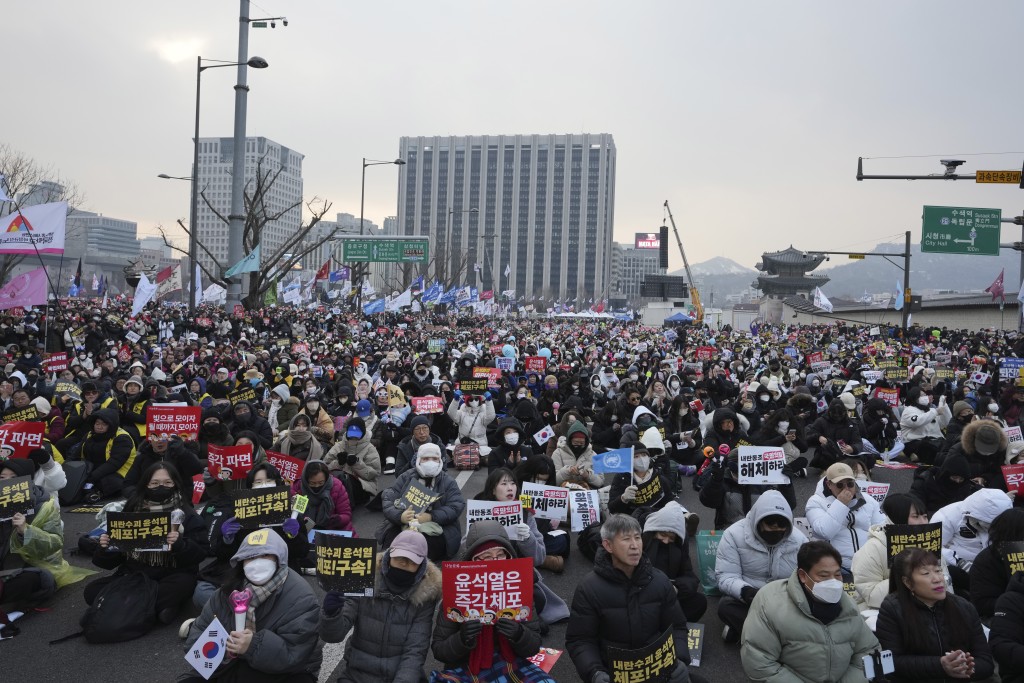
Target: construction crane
<point>694,294</point>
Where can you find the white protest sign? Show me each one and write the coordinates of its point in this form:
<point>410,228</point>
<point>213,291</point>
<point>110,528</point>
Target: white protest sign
<point>506,513</point>
<point>821,366</point>
<point>585,507</point>
<point>208,651</point>
<point>547,502</point>
<point>762,465</point>
<point>871,376</point>
<point>876,489</point>
<point>1013,434</point>
<point>133,337</point>
<point>874,331</point>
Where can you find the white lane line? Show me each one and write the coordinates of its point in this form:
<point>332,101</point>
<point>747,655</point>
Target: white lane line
<point>332,653</point>
<point>463,477</point>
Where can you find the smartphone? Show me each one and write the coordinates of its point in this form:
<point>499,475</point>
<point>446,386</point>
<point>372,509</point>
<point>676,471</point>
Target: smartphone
<point>791,432</point>
<point>842,444</point>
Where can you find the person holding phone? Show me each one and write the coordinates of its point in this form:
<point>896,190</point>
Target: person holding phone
<point>840,514</point>
<point>781,430</point>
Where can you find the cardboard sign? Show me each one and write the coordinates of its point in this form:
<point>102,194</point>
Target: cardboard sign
<point>1012,554</point>
<point>876,489</point>
<point>505,364</point>
<point>289,467</point>
<point>23,415</point>
<point>538,364</point>
<point>69,389</point>
<point>545,659</point>
<point>15,497</point>
<point>256,508</point>
<point>18,439</point>
<point>473,386</point>
<point>585,509</point>
<point>245,394</point>
<point>229,462</point>
<point>899,537</point>
<point>762,465</point>
<point>419,497</point>
<point>436,345</point>
<point>506,513</point>
<point>890,396</point>
<point>1014,476</point>
<point>346,565</point>
<point>427,405</point>
<point>1013,434</point>
<point>650,492</point>
<point>56,362</point>
<point>180,421</point>
<point>547,502</point>
<point>487,591</point>
<point>139,530</point>
<point>695,642</point>
<point>653,663</point>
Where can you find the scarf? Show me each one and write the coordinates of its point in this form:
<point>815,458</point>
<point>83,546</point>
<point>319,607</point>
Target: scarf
<point>321,504</point>
<point>314,451</point>
<point>260,594</point>
<point>482,656</point>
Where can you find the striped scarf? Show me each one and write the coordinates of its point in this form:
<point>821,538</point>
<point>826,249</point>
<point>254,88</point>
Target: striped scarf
<point>261,594</point>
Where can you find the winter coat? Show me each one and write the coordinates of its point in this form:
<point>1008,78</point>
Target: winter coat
<point>1007,636</point>
<point>177,455</point>
<point>836,429</point>
<point>564,459</point>
<point>392,630</point>
<point>989,578</point>
<point>743,558</point>
<point>445,511</point>
<point>255,424</point>
<point>883,431</point>
<point>657,483</point>
<point>783,642</point>
<point>330,509</point>
<point>844,526</point>
<point>111,453</point>
<point>366,468</point>
<point>924,424</point>
<point>472,422</point>
<point>409,446</point>
<point>286,635</point>
<point>502,454</point>
<point>934,487</point>
<point>612,609</point>
<point>676,564</point>
<point>715,437</point>
<point>871,570</point>
<point>925,666</point>
<point>960,541</point>
<point>988,467</point>
<point>191,548</point>
<point>288,410</point>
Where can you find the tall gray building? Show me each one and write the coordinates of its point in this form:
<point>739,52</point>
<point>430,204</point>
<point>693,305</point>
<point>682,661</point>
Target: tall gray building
<point>541,205</point>
<point>283,197</point>
<point>630,267</point>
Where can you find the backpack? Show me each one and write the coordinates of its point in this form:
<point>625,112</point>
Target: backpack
<point>466,456</point>
<point>74,491</point>
<point>125,609</point>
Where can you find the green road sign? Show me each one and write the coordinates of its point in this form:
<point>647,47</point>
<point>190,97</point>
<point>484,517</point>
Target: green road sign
<point>377,250</point>
<point>961,230</point>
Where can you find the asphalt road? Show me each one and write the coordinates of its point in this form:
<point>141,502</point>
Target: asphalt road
<point>158,656</point>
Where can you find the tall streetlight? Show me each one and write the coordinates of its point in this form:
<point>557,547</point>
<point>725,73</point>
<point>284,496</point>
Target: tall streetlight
<point>362,206</point>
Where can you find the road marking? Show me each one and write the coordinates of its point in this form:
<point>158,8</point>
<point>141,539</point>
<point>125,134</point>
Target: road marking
<point>463,477</point>
<point>332,653</point>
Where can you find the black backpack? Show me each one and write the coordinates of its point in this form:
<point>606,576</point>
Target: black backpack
<point>125,609</point>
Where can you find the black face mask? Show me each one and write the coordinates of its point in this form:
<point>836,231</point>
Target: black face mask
<point>160,494</point>
<point>577,450</point>
<point>401,578</point>
<point>317,489</point>
<point>772,538</point>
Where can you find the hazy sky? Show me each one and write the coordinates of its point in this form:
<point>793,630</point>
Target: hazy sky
<point>748,116</point>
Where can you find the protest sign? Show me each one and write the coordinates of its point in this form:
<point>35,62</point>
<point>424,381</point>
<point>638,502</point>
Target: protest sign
<point>180,421</point>
<point>762,465</point>
<point>436,345</point>
<point>505,364</point>
<point>823,367</point>
<point>1014,476</point>
<point>545,659</point>
<point>1013,435</point>
<point>255,508</point>
<point>899,537</point>
<point>547,502</point>
<point>506,513</point>
<point>346,565</point>
<point>890,396</point>
<point>707,554</point>
<point>300,349</point>
<point>15,497</point>
<point>650,492</point>
<point>139,530</point>
<point>695,642</point>
<point>198,488</point>
<point>491,590</point>
<point>244,394</point>
<point>585,508</point>
<point>427,405</point>
<point>704,353</point>
<point>419,497</point>
<point>876,489</point>
<point>1010,368</point>
<point>289,467</point>
<point>535,364</point>
<point>473,386</point>
<point>871,376</point>
<point>133,337</point>
<point>814,357</point>
<point>396,397</point>
<point>23,415</point>
<point>56,362</point>
<point>1012,553</point>
<point>652,663</point>
<point>18,439</point>
<point>209,649</point>
<point>229,462</point>
<point>492,375</point>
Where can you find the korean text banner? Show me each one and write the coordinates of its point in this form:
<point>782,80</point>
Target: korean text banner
<point>34,227</point>
<point>255,508</point>
<point>138,530</point>
<point>346,565</point>
<point>487,591</point>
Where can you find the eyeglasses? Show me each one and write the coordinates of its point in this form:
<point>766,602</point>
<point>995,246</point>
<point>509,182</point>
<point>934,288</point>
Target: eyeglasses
<point>845,484</point>
<point>487,555</point>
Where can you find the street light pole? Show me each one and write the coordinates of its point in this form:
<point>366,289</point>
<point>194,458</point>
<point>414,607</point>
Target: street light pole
<point>236,216</point>
<point>193,219</point>
<point>362,207</point>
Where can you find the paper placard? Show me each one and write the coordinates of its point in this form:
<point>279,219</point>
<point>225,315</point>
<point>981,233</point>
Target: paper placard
<point>419,497</point>
<point>876,489</point>
<point>762,465</point>
<point>585,509</point>
<point>538,364</point>
<point>547,502</point>
<point>346,565</point>
<point>653,663</point>
<point>256,508</point>
<point>899,537</point>
<point>68,388</point>
<point>56,362</point>
<point>182,422</point>
<point>506,513</point>
<point>474,386</point>
<point>488,591</point>
<point>695,642</point>
<point>505,364</point>
<point>427,405</point>
<point>245,394</point>
<point>15,497</point>
<point>229,462</point>
<point>139,530</point>
<point>18,439</point>
<point>289,467</point>
<point>1013,434</point>
<point>1014,477</point>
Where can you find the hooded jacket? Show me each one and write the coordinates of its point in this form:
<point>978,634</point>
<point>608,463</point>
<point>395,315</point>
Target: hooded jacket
<point>565,459</point>
<point>918,423</point>
<point>1007,636</point>
<point>392,629</point>
<point>329,508</point>
<point>959,539</point>
<point>744,559</point>
<point>715,437</point>
<point>110,453</point>
<point>935,488</point>
<point>988,467</point>
<point>183,460</point>
<point>366,468</point>
<point>501,455</point>
<point>255,424</point>
<point>445,511</point>
<point>881,431</point>
<point>674,560</point>
<point>844,526</point>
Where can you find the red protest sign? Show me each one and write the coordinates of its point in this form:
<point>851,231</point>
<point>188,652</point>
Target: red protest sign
<point>181,421</point>
<point>496,349</point>
<point>488,590</point>
<point>493,376</point>
<point>238,311</point>
<point>705,352</point>
<point>124,354</point>
<point>198,488</point>
<point>1014,476</point>
<point>16,311</point>
<point>300,349</point>
<point>230,462</point>
<point>18,438</point>
<point>536,363</point>
<point>289,467</point>
<point>890,396</point>
<point>426,405</point>
<point>814,357</point>
<point>57,362</point>
<point>545,659</point>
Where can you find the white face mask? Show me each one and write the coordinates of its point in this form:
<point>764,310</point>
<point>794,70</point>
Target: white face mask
<point>642,463</point>
<point>993,407</point>
<point>829,590</point>
<point>923,401</point>
<point>739,368</point>
<point>512,439</point>
<point>260,570</point>
<point>763,398</point>
<point>783,427</point>
<point>269,484</point>
<point>428,468</point>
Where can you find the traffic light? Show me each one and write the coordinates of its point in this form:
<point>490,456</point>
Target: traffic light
<point>663,247</point>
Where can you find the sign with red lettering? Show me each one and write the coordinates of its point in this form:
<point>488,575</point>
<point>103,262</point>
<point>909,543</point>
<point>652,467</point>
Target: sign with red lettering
<point>230,462</point>
<point>180,421</point>
<point>536,363</point>
<point>56,362</point>
<point>289,467</point>
<point>488,590</point>
<point>17,439</point>
<point>1014,476</point>
<point>704,352</point>
<point>493,376</point>
<point>890,396</point>
<point>300,349</point>
<point>198,488</point>
<point>426,405</point>
<point>812,358</point>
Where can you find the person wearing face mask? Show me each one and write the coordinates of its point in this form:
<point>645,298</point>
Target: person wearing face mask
<point>164,448</point>
<point>950,483</point>
<point>806,627</point>
<point>283,407</point>
<point>682,430</point>
<point>840,513</point>
<point>574,459</point>
<point>175,571</point>
<point>439,521</point>
<point>922,424</point>
<point>1010,404</point>
<point>880,430</point>
<point>664,540</point>
<point>472,413</point>
<point>835,434</point>
<point>328,506</point>
<point>965,528</point>
<point>355,461</point>
<point>990,410</point>
<point>990,574</point>
<point>983,444</point>
<point>297,441</point>
<point>279,643</point>
<point>963,415</point>
<point>244,417</point>
<point>390,632</point>
<point>643,488</point>
<point>109,453</point>
<point>513,446</point>
<point>321,423</point>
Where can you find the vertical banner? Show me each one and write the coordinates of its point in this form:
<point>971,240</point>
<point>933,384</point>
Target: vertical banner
<point>586,508</point>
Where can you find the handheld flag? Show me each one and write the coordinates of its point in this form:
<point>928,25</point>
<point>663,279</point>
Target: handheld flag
<point>996,288</point>
<point>250,264</point>
<point>898,304</point>
<point>144,292</point>
<point>619,460</point>
<point>325,271</point>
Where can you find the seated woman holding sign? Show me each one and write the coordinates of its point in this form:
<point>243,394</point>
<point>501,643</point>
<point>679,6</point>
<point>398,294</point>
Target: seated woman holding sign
<point>540,470</point>
<point>328,506</point>
<point>271,615</point>
<point>174,570</point>
<point>474,651</point>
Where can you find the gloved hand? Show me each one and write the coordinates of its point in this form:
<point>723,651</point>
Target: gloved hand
<point>229,527</point>
<point>600,677</point>
<point>333,602</point>
<point>351,459</point>
<point>39,456</point>
<point>458,395</point>
<point>522,531</point>
<point>747,594</point>
<point>680,674</point>
<point>509,628</point>
<point>469,630</point>
<point>487,396</point>
<point>885,420</point>
<point>290,527</point>
<point>629,495</point>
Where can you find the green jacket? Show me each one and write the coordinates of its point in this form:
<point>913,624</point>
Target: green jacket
<point>783,643</point>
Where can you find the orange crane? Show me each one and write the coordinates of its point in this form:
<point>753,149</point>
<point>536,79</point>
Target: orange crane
<point>694,294</point>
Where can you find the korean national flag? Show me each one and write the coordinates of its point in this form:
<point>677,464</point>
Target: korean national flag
<point>619,460</point>
<point>544,435</point>
<point>207,652</point>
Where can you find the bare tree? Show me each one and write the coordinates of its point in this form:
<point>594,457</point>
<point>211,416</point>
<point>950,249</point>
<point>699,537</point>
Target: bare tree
<point>259,214</point>
<point>23,174</point>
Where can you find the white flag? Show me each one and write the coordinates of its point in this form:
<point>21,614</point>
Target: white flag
<point>1020,294</point>
<point>208,651</point>
<point>898,304</point>
<point>821,301</point>
<point>199,285</point>
<point>143,294</point>
<point>34,227</point>
<point>508,269</point>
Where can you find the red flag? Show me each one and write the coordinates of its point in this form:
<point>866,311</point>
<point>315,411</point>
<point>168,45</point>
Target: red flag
<point>599,308</point>
<point>325,271</point>
<point>996,288</point>
<point>164,274</point>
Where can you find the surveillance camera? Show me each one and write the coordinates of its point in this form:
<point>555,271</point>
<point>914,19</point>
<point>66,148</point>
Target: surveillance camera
<point>951,164</point>
<point>284,21</point>
<point>273,24</point>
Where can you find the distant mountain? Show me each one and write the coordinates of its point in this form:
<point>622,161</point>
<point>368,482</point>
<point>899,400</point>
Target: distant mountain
<point>719,277</point>
<point>719,265</point>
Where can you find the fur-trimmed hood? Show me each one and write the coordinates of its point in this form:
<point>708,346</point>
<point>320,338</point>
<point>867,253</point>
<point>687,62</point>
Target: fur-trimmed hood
<point>428,588</point>
<point>969,433</point>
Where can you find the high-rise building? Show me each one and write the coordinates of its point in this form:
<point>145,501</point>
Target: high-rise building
<point>106,236</point>
<point>632,267</point>
<point>282,197</point>
<point>541,205</point>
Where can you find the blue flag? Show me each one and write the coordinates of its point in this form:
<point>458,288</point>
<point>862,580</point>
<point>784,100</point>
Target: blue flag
<point>249,264</point>
<point>447,297</point>
<point>433,293</point>
<point>376,306</point>
<point>898,304</point>
<point>619,460</point>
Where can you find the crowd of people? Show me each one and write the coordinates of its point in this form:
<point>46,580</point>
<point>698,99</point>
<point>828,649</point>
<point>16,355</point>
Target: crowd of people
<point>805,599</point>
